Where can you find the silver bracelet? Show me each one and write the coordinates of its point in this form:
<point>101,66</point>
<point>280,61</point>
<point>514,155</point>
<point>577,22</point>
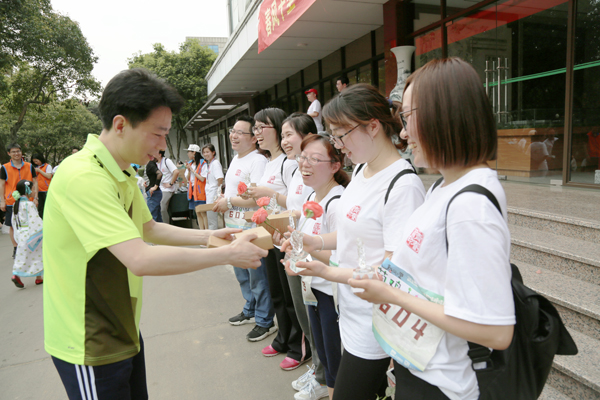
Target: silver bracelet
<point>322,244</point>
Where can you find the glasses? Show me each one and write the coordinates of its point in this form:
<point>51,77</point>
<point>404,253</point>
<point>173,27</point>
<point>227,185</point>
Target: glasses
<point>311,160</point>
<point>338,140</point>
<point>403,116</point>
<point>239,133</point>
<point>259,129</point>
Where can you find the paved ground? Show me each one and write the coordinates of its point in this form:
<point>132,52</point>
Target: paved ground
<point>192,352</point>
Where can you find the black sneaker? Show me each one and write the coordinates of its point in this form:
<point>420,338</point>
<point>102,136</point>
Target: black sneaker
<point>241,319</point>
<point>259,333</point>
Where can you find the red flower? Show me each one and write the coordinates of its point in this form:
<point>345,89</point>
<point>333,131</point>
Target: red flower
<point>263,201</point>
<point>312,209</point>
<point>260,216</point>
<point>242,188</point>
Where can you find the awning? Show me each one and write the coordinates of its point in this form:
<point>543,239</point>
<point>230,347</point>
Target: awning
<point>218,105</point>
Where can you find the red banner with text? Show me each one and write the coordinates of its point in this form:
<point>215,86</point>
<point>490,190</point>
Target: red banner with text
<point>276,16</point>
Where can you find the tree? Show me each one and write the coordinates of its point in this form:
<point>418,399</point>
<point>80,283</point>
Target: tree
<point>185,71</point>
<point>57,128</point>
<point>45,57</point>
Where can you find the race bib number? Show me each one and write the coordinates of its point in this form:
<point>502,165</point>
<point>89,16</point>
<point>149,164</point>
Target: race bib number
<point>409,339</point>
<point>234,218</point>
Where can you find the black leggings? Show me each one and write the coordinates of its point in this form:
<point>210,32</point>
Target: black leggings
<point>360,379</point>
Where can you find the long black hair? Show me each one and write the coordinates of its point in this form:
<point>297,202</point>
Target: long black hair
<point>23,189</point>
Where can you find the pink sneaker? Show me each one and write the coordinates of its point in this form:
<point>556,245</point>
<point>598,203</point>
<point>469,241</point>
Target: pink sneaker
<point>269,351</point>
<point>289,364</point>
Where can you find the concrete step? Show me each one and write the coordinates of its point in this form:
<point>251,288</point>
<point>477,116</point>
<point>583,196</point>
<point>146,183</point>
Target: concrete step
<point>549,393</point>
<point>578,377</point>
<point>577,302</point>
<point>578,259</point>
<point>581,229</point>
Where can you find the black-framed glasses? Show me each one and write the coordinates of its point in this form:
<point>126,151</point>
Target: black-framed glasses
<point>403,115</point>
<point>259,129</point>
<point>239,133</point>
<point>311,160</point>
<point>339,140</point>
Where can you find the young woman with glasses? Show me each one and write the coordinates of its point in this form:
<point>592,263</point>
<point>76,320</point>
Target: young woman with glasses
<point>461,261</point>
<point>320,164</point>
<point>276,180</point>
<point>363,128</point>
<point>247,166</point>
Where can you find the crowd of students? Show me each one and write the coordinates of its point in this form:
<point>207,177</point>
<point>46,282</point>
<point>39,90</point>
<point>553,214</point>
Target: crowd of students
<point>446,271</point>
<point>443,273</point>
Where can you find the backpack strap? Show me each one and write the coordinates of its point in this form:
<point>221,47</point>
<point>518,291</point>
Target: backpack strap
<point>477,353</point>
<point>330,200</point>
<point>437,183</point>
<point>357,169</point>
<point>474,189</point>
<point>281,172</point>
<point>393,182</point>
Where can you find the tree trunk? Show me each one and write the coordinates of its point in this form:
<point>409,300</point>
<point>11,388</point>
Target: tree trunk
<point>4,158</point>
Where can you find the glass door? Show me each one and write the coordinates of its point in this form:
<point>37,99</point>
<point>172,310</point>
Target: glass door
<point>518,47</point>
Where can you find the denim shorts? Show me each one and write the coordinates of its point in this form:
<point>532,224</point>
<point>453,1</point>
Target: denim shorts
<point>194,203</point>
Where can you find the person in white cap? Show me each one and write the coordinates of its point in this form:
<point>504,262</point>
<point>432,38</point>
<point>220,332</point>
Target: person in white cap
<point>315,108</point>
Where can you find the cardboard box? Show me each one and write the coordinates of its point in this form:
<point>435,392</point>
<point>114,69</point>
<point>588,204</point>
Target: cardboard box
<point>264,239</point>
<point>278,221</point>
<point>205,207</point>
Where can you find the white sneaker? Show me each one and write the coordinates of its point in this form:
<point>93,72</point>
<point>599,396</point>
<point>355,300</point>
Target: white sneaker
<point>312,391</point>
<point>299,383</point>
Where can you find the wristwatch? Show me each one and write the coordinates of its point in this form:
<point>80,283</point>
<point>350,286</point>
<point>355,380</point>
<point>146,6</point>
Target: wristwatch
<point>229,205</point>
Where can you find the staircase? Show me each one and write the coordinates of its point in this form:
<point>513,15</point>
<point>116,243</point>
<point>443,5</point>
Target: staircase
<point>559,257</point>
<point>555,233</point>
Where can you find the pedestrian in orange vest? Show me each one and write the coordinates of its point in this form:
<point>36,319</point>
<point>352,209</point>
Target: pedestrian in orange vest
<point>44,176</point>
<point>10,174</point>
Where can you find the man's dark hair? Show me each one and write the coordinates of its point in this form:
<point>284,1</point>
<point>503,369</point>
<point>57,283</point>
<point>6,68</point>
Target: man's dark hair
<point>162,153</point>
<point>12,146</point>
<point>134,94</point>
<point>343,79</point>
<point>248,119</point>
<point>77,148</point>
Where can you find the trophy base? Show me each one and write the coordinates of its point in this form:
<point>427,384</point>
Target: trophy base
<point>293,259</point>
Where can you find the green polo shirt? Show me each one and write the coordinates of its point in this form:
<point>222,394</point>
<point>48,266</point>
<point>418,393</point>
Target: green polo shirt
<point>92,302</point>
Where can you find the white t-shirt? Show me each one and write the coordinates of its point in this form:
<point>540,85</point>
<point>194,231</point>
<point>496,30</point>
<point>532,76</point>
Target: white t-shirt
<point>472,279</point>
<point>298,192</point>
<point>324,224</point>
<point>167,168</point>
<point>316,106</point>
<point>251,166</point>
<point>361,214</point>
<point>54,169</point>
<point>214,172</point>
<point>272,177</point>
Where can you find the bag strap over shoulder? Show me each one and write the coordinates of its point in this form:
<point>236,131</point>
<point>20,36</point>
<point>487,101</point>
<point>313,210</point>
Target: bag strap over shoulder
<point>393,182</point>
<point>330,200</point>
<point>281,172</point>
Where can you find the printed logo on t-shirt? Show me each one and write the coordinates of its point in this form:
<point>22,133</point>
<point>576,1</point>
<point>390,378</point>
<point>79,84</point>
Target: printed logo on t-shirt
<point>299,189</point>
<point>353,213</point>
<point>271,179</point>
<point>415,239</point>
<point>316,228</point>
<point>238,172</point>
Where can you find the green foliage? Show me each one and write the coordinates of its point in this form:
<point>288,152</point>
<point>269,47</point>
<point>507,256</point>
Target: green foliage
<point>56,128</point>
<point>185,71</point>
<point>44,57</point>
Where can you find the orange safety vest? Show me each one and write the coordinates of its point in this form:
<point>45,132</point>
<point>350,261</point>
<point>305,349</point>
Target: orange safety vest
<point>43,182</point>
<point>196,191</point>
<point>13,176</point>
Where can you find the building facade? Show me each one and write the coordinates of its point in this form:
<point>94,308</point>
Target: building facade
<point>216,44</point>
<point>539,61</point>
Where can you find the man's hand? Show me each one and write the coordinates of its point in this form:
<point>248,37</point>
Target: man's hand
<point>243,254</point>
<point>36,201</point>
<point>3,206</point>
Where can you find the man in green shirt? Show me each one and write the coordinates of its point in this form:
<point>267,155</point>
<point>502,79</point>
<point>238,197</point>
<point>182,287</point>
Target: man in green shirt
<point>95,253</point>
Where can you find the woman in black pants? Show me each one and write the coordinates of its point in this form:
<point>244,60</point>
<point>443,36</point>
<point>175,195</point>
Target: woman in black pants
<point>278,174</point>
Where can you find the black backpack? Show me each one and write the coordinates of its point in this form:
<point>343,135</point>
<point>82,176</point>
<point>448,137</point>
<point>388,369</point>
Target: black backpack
<point>520,371</point>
